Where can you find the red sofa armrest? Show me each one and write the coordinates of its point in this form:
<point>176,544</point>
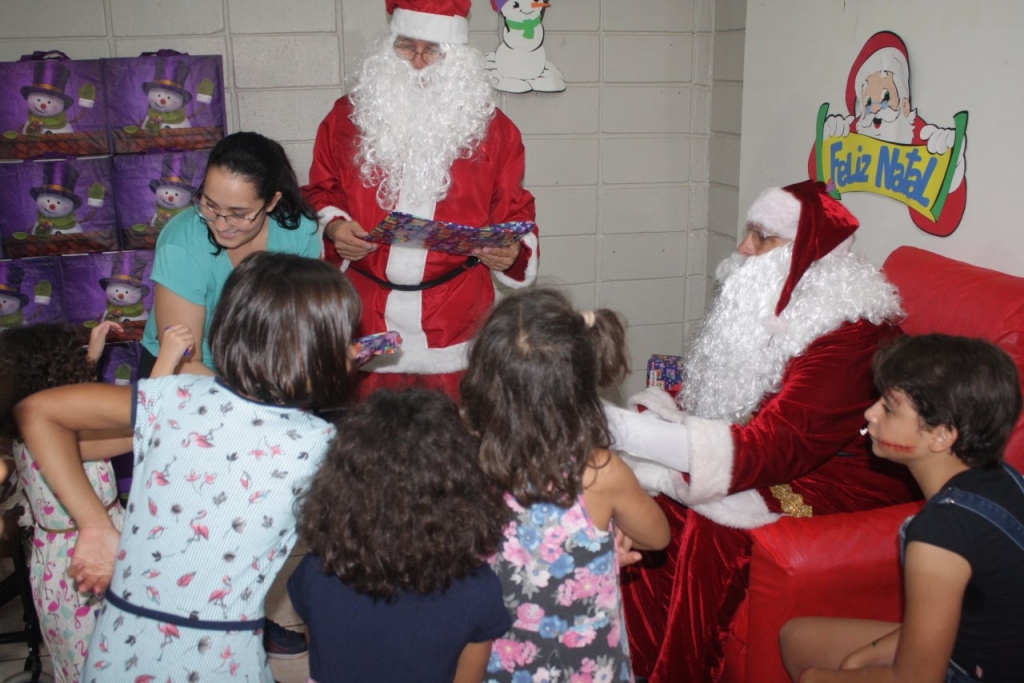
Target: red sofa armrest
<point>834,565</point>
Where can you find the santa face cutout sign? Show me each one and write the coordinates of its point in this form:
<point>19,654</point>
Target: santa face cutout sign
<point>884,147</point>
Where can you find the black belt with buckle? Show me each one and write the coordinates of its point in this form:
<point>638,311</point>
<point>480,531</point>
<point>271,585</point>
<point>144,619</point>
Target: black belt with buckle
<point>471,262</point>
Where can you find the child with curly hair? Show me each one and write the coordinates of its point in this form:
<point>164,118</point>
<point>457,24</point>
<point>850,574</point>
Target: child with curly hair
<point>531,396</point>
<point>398,522</point>
<point>34,358</point>
<point>218,464</point>
<point>948,407</point>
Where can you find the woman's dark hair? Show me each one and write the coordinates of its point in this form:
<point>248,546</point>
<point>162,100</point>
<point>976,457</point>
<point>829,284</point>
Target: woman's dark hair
<point>400,503</point>
<point>37,357</point>
<point>971,385</point>
<point>263,163</point>
<point>531,392</point>
<point>281,331</point>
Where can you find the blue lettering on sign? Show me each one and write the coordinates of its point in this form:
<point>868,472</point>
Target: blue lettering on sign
<point>907,178</point>
<point>845,171</point>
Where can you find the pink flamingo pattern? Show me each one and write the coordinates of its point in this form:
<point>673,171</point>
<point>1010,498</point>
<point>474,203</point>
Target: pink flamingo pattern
<point>67,617</point>
<point>192,526</point>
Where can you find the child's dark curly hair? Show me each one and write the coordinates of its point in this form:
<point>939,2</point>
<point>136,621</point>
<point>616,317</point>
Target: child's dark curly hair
<point>400,503</point>
<point>38,357</point>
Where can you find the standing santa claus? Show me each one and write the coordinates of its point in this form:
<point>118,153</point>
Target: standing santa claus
<point>775,391</point>
<point>420,134</point>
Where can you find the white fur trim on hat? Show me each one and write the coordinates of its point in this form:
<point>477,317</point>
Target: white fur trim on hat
<point>889,59</point>
<point>435,28</point>
<point>776,212</point>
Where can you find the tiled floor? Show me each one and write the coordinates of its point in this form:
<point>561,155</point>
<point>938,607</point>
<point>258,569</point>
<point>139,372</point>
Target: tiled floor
<point>278,608</point>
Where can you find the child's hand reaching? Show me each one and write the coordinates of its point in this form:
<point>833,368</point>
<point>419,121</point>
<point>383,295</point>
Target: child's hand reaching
<point>95,554</point>
<point>177,343</point>
<point>98,337</point>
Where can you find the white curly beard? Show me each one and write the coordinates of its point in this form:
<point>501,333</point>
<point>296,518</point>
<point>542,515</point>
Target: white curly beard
<point>742,351</point>
<point>415,124</point>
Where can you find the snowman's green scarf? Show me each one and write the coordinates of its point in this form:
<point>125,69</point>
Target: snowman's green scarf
<point>528,27</point>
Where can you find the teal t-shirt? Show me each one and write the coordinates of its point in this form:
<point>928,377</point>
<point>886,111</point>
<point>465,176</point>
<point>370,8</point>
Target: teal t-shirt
<point>185,264</point>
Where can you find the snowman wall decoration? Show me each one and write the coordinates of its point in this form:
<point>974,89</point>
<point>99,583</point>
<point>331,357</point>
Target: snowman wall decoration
<point>167,97</point>
<point>57,203</point>
<point>48,105</point>
<point>173,188</point>
<point>520,62</point>
<point>125,291</point>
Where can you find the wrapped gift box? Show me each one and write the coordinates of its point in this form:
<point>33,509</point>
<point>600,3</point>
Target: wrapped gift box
<point>63,206</point>
<point>51,105</point>
<point>665,372</point>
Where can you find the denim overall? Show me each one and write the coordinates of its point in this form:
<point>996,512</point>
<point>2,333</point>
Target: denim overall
<point>988,510</point>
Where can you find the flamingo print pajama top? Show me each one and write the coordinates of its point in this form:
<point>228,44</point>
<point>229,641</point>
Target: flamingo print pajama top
<point>209,525</point>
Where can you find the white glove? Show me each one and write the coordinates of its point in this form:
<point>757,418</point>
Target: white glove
<point>940,141</point>
<point>653,478</point>
<point>646,436</point>
<point>836,126</point>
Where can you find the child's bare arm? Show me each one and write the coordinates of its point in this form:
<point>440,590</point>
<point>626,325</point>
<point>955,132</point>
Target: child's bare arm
<point>634,512</point>
<point>48,422</point>
<point>176,343</point>
<point>98,338</point>
<point>473,663</point>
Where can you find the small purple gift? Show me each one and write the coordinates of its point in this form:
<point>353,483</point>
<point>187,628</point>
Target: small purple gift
<point>30,292</point>
<point>165,101</point>
<point>665,372</point>
<point>111,286</point>
<point>51,105</point>
<point>62,206</point>
<point>151,189</point>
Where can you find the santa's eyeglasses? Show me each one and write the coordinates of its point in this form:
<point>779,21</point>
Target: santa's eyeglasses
<point>407,51</point>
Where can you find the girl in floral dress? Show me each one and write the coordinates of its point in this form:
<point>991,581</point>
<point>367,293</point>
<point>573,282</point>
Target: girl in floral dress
<point>531,395</point>
<point>218,463</point>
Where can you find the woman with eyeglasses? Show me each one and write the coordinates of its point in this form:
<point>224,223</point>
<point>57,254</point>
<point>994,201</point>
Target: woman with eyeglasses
<point>250,201</point>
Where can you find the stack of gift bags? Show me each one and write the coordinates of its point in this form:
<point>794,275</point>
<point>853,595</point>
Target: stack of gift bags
<point>96,156</point>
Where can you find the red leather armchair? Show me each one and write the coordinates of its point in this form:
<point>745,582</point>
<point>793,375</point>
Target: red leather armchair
<point>848,564</point>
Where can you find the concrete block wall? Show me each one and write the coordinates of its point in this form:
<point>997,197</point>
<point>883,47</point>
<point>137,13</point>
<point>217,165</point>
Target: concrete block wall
<point>725,216</point>
<point>622,163</point>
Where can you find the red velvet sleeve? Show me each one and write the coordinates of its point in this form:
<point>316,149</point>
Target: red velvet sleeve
<point>819,410</point>
<point>510,201</point>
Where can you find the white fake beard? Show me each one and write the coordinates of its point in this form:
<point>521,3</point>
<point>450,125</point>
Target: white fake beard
<point>894,126</point>
<point>743,350</point>
<point>415,124</point>
<point>730,367</point>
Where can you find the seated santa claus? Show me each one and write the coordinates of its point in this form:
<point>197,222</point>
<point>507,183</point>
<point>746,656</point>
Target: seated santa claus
<point>767,424</point>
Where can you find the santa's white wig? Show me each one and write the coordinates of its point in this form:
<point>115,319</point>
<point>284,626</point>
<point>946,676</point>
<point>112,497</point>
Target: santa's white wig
<point>415,124</point>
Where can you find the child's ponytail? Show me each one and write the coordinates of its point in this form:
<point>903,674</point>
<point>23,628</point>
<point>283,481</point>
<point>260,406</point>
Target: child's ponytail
<point>608,335</point>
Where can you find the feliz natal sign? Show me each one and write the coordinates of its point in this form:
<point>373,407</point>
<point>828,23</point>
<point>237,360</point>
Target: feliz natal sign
<point>910,174</point>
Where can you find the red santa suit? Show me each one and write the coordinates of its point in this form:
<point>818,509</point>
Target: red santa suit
<point>435,323</point>
<point>799,453</point>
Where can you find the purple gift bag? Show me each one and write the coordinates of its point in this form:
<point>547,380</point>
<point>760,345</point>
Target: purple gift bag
<point>165,101</point>
<point>119,363</point>
<point>111,286</point>
<point>63,206</point>
<point>30,292</point>
<point>51,105</point>
<point>151,189</point>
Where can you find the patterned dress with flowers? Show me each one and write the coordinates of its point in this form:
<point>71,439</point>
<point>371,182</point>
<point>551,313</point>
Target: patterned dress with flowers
<point>66,616</point>
<point>561,581</point>
<point>210,523</point>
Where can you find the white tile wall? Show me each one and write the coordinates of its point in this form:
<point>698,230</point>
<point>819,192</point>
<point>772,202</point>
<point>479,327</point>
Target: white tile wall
<point>636,196</point>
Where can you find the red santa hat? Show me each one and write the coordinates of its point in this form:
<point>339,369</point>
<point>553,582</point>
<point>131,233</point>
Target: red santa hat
<point>436,21</point>
<point>808,215</point>
<point>884,51</point>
